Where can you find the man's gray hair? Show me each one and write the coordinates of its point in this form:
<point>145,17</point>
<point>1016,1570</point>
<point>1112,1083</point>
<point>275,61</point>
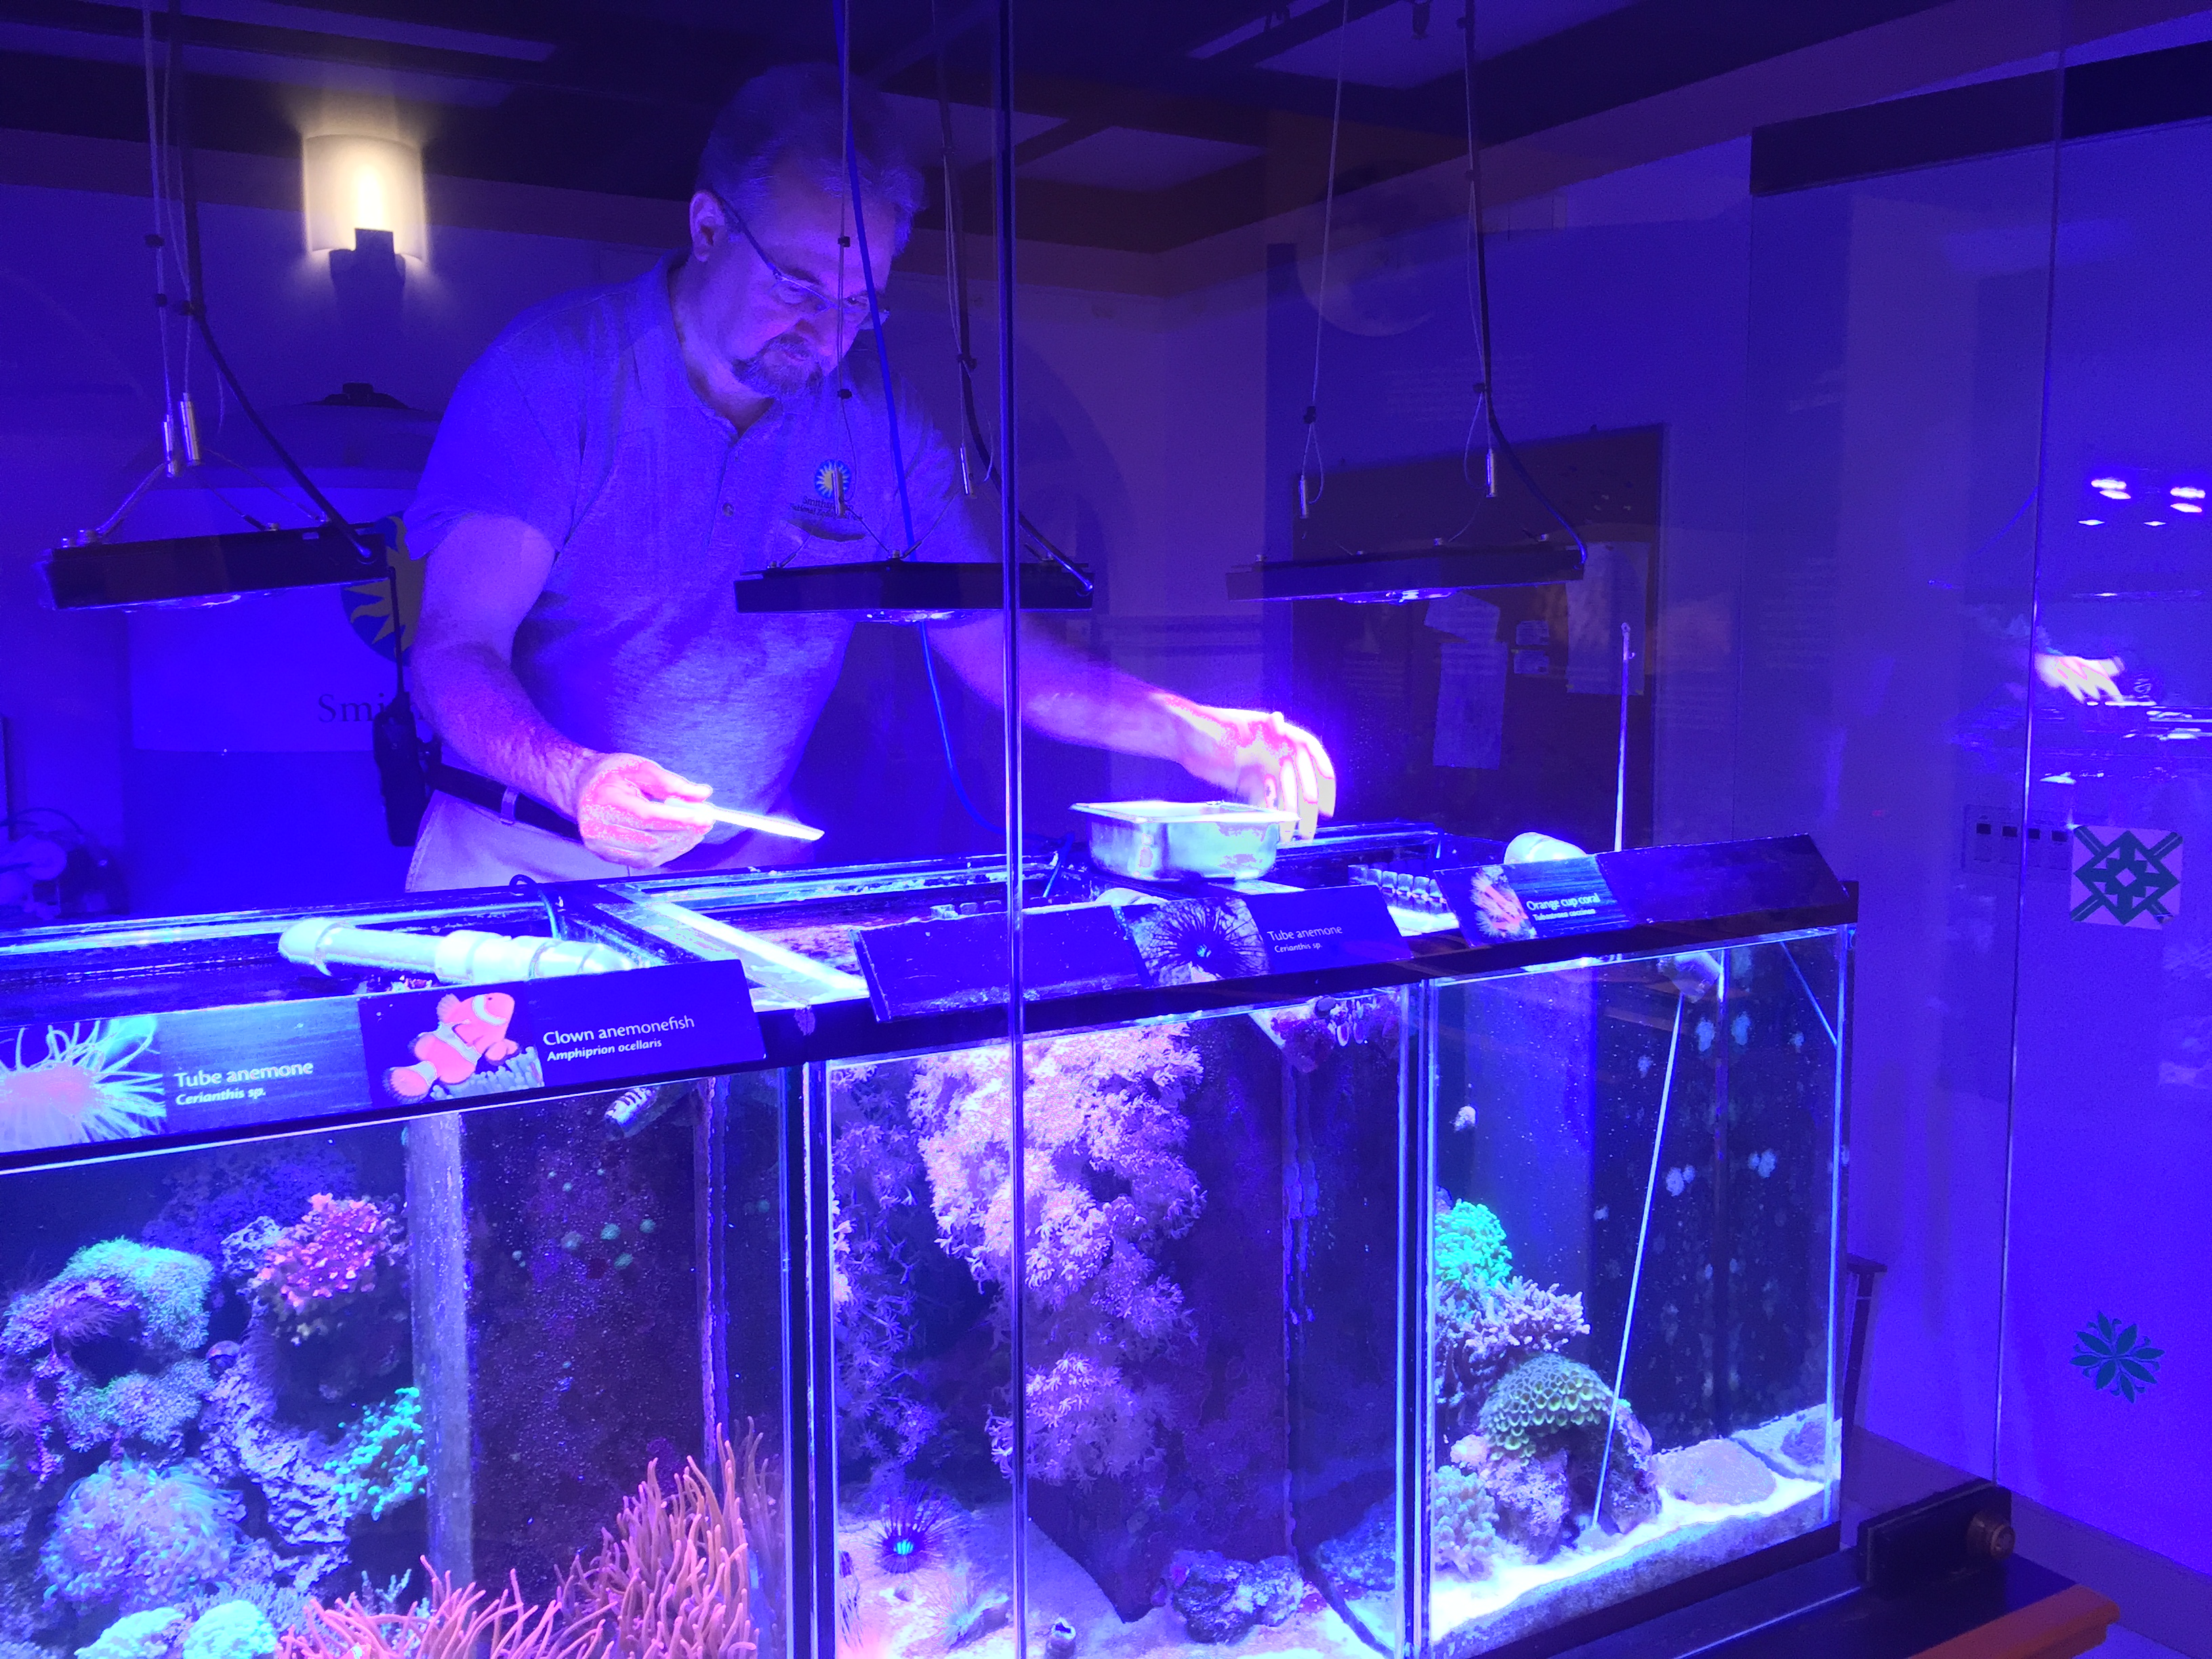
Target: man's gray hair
<point>794,116</point>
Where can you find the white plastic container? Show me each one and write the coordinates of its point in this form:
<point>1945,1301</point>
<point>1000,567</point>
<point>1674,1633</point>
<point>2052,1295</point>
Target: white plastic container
<point>1149,839</point>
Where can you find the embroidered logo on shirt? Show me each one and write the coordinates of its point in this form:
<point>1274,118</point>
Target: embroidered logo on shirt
<point>833,483</point>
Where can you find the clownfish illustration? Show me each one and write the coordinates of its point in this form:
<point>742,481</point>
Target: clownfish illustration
<point>469,1033</point>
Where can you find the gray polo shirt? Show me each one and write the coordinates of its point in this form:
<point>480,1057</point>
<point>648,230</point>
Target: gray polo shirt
<point>580,420</point>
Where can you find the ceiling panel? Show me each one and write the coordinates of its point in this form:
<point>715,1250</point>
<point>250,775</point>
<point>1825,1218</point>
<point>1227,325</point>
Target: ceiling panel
<point>1404,44</point>
<point>1127,158</point>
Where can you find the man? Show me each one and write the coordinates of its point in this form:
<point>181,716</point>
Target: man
<point>619,456</point>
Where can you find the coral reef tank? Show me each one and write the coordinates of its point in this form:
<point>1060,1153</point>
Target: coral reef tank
<point>1631,1264</point>
<point>704,1279</point>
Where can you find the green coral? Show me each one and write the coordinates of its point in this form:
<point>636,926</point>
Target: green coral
<point>231,1630</point>
<point>1543,1402</point>
<point>156,1408</point>
<point>132,1537</point>
<point>149,1635</point>
<point>382,1466</point>
<point>169,1287</point>
<point>1470,1249</point>
<point>1462,1522</point>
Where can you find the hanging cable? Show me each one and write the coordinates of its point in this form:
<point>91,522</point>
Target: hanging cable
<point>157,241</point>
<point>1310,455</point>
<point>964,331</point>
<point>841,21</point>
<point>195,303</point>
<point>1485,420</point>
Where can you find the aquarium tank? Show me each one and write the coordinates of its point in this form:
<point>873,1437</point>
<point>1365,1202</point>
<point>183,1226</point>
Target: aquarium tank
<point>1471,1296</point>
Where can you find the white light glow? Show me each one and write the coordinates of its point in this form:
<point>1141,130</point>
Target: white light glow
<point>2187,507</point>
<point>2187,493</point>
<point>2093,521</point>
<point>2154,523</point>
<point>351,183</point>
<point>2108,483</point>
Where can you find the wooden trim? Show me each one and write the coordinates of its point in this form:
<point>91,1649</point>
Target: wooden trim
<point>2057,1627</point>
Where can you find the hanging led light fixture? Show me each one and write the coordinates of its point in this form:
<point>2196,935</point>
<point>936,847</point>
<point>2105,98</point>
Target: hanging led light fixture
<point>351,183</point>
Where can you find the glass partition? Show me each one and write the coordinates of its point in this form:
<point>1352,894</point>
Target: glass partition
<point>2108,1053</point>
<point>1888,660</point>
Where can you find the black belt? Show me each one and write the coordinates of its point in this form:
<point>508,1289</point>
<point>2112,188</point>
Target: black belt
<point>512,804</point>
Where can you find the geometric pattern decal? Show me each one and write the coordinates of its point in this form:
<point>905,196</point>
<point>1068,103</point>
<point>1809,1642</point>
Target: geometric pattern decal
<point>2126,878</point>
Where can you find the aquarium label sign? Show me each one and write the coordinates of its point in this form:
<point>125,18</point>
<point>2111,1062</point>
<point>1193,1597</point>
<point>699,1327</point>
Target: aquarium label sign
<point>589,1031</point>
<point>938,964</point>
<point>1326,927</point>
<point>1555,899</point>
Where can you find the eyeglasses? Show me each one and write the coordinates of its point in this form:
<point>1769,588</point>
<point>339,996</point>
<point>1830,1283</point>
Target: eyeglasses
<point>791,291</point>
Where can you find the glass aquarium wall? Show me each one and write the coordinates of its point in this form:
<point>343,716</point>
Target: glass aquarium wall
<point>374,1390</point>
<point>2112,1049</point>
<point>1209,1320</point>
<point>1888,657</point>
<point>1632,1279</point>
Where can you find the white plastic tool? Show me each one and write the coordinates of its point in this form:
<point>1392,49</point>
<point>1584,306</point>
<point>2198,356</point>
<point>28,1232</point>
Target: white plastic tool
<point>464,957</point>
<point>790,829</point>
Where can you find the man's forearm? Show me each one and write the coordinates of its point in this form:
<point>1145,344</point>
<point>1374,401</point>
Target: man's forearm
<point>1066,694</point>
<point>490,725</point>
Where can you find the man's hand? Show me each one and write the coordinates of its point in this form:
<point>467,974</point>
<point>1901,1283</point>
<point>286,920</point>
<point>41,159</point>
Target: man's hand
<point>1260,758</point>
<point>2085,679</point>
<point>635,813</point>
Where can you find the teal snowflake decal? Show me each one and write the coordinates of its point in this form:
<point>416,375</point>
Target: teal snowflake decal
<point>2116,1359</point>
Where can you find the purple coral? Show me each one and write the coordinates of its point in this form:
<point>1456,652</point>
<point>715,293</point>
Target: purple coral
<point>1105,1185</point>
<point>329,1256</point>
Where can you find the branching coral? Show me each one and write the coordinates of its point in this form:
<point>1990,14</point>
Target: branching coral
<point>876,1178</point>
<point>1462,1521</point>
<point>1104,1186</point>
<point>1086,1420</point>
<point>1483,1331</point>
<point>327,1263</point>
<point>381,1466</point>
<point>131,1537</point>
<point>672,1580</point>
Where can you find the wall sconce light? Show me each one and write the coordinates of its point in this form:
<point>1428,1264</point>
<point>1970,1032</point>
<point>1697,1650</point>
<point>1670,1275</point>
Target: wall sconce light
<point>363,184</point>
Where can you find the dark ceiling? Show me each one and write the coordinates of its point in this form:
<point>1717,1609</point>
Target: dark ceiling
<point>1143,124</point>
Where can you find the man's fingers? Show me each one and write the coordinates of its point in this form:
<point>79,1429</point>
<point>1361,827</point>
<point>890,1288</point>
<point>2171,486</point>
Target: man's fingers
<point>1309,794</point>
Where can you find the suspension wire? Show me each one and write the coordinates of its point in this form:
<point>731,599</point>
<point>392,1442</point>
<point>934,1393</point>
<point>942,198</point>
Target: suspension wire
<point>964,331</point>
<point>841,19</point>
<point>195,306</point>
<point>1495,442</point>
<point>1636,1273</point>
<point>1310,455</point>
<point>157,242</point>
